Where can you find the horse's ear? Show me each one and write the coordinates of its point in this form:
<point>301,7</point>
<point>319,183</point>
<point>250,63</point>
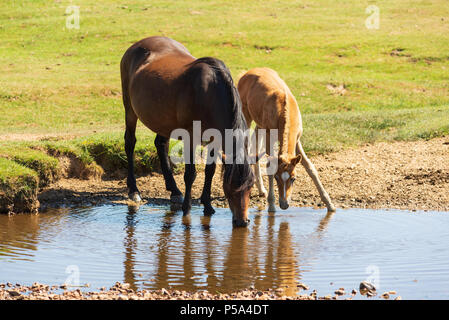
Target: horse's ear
<point>294,161</point>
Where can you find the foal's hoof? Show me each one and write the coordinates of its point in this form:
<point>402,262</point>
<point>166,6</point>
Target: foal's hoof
<point>331,208</point>
<point>135,196</point>
<point>177,199</point>
<point>271,208</point>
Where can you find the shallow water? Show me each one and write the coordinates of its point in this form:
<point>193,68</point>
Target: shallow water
<point>152,247</point>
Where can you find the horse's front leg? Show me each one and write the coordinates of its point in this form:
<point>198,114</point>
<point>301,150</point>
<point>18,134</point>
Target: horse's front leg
<point>209,174</point>
<point>271,198</point>
<point>189,178</point>
<point>162,144</point>
<point>130,143</point>
<point>258,175</point>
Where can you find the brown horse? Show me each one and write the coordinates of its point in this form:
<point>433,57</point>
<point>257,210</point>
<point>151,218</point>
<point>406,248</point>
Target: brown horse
<point>268,101</point>
<point>166,88</point>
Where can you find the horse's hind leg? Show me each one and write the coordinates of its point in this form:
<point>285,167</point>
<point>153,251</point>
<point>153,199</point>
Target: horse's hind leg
<point>310,168</point>
<point>130,143</point>
<point>209,174</point>
<point>162,144</point>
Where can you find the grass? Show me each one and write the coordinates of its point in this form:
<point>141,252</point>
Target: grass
<point>356,128</point>
<point>18,187</point>
<point>66,82</point>
<point>56,80</point>
<point>45,165</point>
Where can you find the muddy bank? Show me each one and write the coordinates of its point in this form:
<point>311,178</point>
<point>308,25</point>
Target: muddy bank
<point>123,291</point>
<point>402,175</point>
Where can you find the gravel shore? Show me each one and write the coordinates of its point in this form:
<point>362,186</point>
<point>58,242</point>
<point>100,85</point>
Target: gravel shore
<point>400,175</point>
<point>122,291</point>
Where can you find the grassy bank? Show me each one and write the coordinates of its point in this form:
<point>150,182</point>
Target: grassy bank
<point>25,167</point>
<point>354,85</point>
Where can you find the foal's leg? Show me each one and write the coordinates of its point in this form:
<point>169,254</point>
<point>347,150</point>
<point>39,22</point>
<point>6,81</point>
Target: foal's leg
<point>189,178</point>
<point>209,174</point>
<point>162,144</point>
<point>130,143</point>
<point>310,168</point>
<point>271,198</point>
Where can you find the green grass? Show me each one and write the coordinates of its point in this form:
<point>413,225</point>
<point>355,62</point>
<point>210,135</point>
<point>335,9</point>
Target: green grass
<point>18,187</point>
<point>67,82</point>
<point>46,166</point>
<point>356,128</point>
<point>108,151</point>
<point>56,80</point>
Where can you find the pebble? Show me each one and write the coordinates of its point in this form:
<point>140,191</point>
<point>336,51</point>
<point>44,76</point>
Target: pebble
<point>339,292</point>
<point>14,293</point>
<point>364,285</point>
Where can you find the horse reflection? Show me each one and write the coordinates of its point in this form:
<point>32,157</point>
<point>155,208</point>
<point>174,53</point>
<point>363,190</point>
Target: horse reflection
<point>264,256</point>
<point>130,246</point>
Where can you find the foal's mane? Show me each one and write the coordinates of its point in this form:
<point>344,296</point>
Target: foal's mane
<point>239,175</point>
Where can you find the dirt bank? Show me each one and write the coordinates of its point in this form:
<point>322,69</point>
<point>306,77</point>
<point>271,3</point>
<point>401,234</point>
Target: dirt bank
<point>402,175</point>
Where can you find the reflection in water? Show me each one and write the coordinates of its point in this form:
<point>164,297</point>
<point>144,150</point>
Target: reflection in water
<point>252,256</point>
<point>20,234</point>
<point>14,239</point>
<point>130,246</point>
<point>163,242</point>
<point>150,247</point>
<point>324,222</point>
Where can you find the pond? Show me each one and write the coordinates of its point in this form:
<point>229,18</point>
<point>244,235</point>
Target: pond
<point>152,247</point>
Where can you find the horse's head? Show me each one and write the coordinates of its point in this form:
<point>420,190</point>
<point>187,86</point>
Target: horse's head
<point>285,176</point>
<point>237,183</point>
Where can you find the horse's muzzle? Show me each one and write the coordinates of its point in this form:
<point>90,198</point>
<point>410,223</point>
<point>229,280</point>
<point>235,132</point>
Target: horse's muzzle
<point>240,223</point>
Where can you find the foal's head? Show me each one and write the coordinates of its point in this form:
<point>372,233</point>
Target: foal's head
<point>285,176</point>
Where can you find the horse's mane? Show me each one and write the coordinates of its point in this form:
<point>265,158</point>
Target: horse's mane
<point>239,175</point>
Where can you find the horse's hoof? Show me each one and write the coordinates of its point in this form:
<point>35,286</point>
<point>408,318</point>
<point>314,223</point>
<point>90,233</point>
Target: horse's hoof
<point>271,209</point>
<point>331,208</point>
<point>263,194</point>
<point>177,199</point>
<point>208,211</point>
<point>135,196</point>
<point>186,209</point>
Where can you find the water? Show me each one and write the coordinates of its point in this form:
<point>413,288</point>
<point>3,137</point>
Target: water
<point>151,247</point>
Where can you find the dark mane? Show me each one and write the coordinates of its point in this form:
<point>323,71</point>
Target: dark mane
<point>238,175</point>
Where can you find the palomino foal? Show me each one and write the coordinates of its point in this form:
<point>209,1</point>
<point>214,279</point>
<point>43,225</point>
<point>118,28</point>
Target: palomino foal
<point>268,101</point>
